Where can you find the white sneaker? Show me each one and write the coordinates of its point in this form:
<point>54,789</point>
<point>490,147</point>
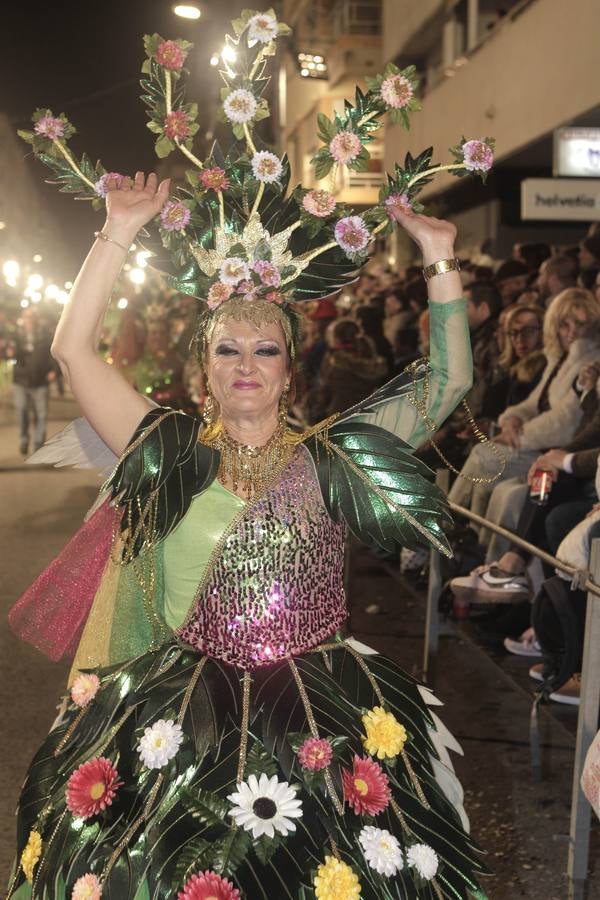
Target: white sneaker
<point>523,647</point>
<point>569,692</point>
<point>488,584</point>
<point>537,672</point>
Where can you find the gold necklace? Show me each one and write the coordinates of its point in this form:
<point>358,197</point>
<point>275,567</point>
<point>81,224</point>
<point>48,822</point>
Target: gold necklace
<point>248,467</point>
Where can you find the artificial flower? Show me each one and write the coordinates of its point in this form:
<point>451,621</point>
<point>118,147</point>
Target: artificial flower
<point>335,880</point>
<point>87,887</point>
<point>478,156</point>
<point>160,743</point>
<point>366,788</point>
<point>424,859</point>
<point>275,297</point>
<point>233,270</point>
<point>397,91</point>
<point>214,179</point>
<point>170,55</point>
<point>262,27</point>
<point>218,293</point>
<point>352,234</point>
<point>266,167</point>
<point>208,886</point>
<point>31,854</point>
<point>319,203</point>
<point>344,147</point>
<point>240,106</point>
<point>92,787</point>
<point>382,850</point>
<point>84,688</point>
<point>397,203</point>
<point>101,186</point>
<point>174,216</point>
<point>315,754</point>
<point>267,272</point>
<point>177,125</point>
<point>385,735</point>
<point>50,127</point>
<point>265,806</point>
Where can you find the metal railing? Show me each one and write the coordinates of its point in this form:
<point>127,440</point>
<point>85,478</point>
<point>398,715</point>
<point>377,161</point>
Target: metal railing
<point>589,704</point>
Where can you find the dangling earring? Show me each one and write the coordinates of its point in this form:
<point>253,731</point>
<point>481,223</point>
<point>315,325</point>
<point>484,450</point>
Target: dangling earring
<point>208,413</point>
<point>283,406</point>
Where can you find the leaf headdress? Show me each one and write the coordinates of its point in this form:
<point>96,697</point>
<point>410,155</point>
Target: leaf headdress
<point>235,231</point>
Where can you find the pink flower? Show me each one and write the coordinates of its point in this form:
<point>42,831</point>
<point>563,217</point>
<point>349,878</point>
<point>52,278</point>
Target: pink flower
<point>275,297</point>
<point>218,293</point>
<point>397,91</point>
<point>84,689</point>
<point>101,186</point>
<point>366,788</point>
<point>478,156</point>
<point>174,216</point>
<point>177,125</point>
<point>50,127</point>
<point>315,754</point>
<point>170,55</point>
<point>92,787</point>
<point>208,886</point>
<point>214,179</point>
<point>397,203</point>
<point>345,147</point>
<point>319,203</point>
<point>352,234</point>
<point>87,887</point>
<point>267,272</point>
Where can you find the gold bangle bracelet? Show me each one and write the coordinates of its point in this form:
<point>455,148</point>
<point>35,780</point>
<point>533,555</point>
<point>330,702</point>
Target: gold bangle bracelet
<point>105,237</point>
<point>441,267</point>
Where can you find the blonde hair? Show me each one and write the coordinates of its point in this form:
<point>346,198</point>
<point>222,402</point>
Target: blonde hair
<point>508,356</point>
<point>564,304</point>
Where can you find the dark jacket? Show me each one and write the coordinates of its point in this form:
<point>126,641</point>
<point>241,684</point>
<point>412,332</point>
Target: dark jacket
<point>486,371</point>
<point>33,361</point>
<point>345,378</point>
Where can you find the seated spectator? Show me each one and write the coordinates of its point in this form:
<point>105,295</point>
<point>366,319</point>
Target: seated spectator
<point>532,255</point>
<point>511,279</point>
<point>556,274</point>
<point>350,370</point>
<point>370,321</point>
<point>549,416</point>
<point>589,252</point>
<point>521,362</point>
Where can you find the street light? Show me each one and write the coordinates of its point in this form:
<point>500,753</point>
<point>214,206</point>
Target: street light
<point>11,270</point>
<point>35,281</point>
<point>138,276</point>
<point>228,54</point>
<point>187,11</point>
<point>123,303</point>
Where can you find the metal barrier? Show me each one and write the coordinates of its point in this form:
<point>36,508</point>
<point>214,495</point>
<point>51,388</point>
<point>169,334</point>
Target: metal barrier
<point>589,705</point>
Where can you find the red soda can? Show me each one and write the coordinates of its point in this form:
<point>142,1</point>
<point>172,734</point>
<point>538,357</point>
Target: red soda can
<point>541,485</point>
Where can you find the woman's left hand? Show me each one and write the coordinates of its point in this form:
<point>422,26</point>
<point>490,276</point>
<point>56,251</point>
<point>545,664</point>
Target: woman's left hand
<point>434,237</point>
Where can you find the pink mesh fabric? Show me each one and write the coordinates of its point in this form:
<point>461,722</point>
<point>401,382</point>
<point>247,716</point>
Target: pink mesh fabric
<point>276,589</point>
<point>52,612</point>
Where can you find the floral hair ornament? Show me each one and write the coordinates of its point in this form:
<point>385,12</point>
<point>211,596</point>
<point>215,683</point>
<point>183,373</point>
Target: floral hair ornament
<point>236,235</point>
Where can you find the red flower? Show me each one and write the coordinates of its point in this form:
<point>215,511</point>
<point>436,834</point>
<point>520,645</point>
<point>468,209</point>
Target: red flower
<point>170,55</point>
<point>92,787</point>
<point>366,788</point>
<point>315,754</point>
<point>214,179</point>
<point>177,125</point>
<point>208,886</point>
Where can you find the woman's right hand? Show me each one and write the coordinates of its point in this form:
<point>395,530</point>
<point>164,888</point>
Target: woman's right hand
<point>129,207</point>
<point>511,432</point>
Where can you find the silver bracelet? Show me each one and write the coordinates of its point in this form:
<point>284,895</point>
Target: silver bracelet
<point>105,237</point>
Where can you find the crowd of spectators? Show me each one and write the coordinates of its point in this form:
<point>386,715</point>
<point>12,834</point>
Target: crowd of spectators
<point>534,322</point>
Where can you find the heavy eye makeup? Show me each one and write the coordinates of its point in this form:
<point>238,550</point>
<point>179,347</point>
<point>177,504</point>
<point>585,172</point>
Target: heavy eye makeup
<point>265,350</point>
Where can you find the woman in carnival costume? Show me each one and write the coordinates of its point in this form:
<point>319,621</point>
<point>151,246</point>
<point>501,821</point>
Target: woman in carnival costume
<point>221,738</point>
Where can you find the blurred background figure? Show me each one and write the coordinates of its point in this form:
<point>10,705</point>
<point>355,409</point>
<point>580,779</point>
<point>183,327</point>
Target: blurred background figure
<point>33,370</point>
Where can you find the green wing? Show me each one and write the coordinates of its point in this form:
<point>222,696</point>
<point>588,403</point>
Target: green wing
<point>370,479</point>
<point>162,470</point>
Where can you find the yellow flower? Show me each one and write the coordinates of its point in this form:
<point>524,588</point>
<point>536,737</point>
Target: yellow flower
<point>335,880</point>
<point>31,854</point>
<point>385,735</point>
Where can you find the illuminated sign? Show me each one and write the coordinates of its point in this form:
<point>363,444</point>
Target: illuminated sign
<point>577,152</point>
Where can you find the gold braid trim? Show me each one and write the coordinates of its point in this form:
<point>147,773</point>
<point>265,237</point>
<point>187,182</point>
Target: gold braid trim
<point>421,407</point>
<point>246,684</point>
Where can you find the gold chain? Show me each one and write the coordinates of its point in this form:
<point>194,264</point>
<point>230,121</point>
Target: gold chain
<point>246,683</point>
<point>421,407</point>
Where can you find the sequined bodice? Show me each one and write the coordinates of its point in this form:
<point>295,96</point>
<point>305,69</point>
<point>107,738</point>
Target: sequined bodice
<point>275,586</point>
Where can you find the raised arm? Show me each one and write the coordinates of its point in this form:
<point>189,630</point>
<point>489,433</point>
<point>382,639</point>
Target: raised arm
<point>109,403</point>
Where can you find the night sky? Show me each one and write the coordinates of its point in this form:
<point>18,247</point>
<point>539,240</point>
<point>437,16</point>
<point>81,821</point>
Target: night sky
<point>84,59</point>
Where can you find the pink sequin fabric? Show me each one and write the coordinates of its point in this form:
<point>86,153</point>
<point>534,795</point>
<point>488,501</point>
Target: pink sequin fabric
<point>276,588</point>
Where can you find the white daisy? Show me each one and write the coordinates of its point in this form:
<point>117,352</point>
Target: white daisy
<point>240,106</point>
<point>266,166</point>
<point>382,850</point>
<point>233,270</point>
<point>262,27</point>
<point>160,743</point>
<point>424,859</point>
<point>265,806</point>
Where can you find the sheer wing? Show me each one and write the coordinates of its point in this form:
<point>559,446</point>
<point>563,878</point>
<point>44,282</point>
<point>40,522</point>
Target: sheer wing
<point>77,446</point>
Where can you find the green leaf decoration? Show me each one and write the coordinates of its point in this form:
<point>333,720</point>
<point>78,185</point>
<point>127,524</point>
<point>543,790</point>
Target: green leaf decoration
<point>196,857</point>
<point>265,847</point>
<point>259,761</point>
<point>206,806</point>
<point>231,850</point>
<point>163,147</point>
